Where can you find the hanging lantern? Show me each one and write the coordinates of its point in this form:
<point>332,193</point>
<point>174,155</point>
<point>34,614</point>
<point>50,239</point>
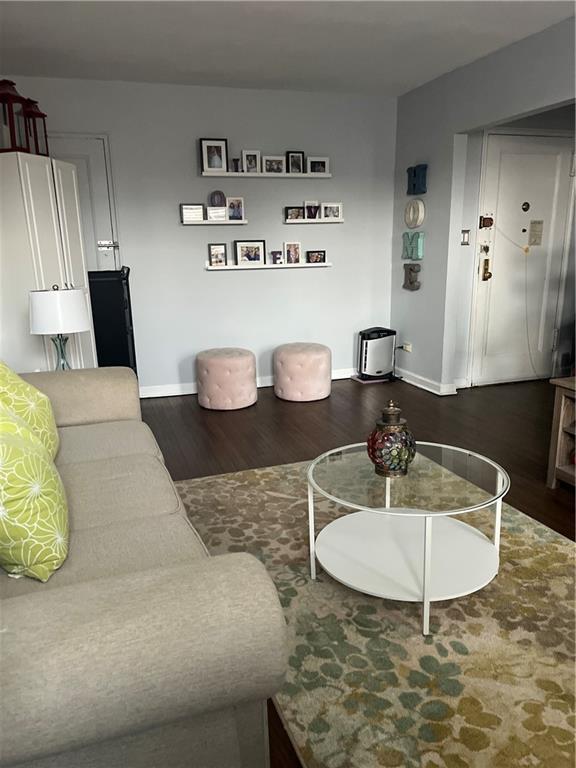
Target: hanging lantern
<point>13,135</point>
<point>36,127</point>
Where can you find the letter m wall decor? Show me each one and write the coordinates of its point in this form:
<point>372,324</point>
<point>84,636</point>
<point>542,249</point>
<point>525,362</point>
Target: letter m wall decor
<point>413,245</point>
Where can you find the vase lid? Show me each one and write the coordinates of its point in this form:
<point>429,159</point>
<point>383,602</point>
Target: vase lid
<point>391,414</point>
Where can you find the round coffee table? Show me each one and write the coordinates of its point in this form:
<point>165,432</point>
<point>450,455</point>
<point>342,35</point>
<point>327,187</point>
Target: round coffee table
<point>400,540</point>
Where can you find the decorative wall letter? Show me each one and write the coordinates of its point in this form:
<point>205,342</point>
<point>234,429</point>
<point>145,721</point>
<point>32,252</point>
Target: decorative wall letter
<point>417,179</point>
<point>411,274</point>
<point>412,245</point>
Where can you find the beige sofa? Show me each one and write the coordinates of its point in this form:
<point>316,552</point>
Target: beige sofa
<point>142,651</point>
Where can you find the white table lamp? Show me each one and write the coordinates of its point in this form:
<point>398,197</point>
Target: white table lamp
<point>58,313</point>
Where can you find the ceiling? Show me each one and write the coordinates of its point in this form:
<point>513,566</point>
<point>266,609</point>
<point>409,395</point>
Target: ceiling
<point>388,47</point>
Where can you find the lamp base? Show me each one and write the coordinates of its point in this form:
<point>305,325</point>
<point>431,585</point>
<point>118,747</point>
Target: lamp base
<point>60,343</point>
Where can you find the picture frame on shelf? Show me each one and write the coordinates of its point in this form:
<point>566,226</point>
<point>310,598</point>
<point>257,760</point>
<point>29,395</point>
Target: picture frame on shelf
<point>250,252</point>
<point>216,213</point>
<point>217,255</point>
<point>311,209</point>
<point>318,165</point>
<point>292,252</point>
<point>214,155</point>
<point>251,161</point>
<point>295,162</point>
<point>235,207</point>
<point>191,213</point>
<point>293,212</point>
<point>332,211</point>
<point>315,257</point>
<point>276,257</point>
<point>274,164</point>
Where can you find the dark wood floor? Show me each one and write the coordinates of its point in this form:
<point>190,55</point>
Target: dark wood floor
<point>510,423</point>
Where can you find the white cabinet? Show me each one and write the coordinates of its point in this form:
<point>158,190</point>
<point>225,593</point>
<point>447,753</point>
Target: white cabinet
<point>40,246</point>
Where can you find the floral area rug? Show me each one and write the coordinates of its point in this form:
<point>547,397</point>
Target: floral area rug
<point>493,687</point>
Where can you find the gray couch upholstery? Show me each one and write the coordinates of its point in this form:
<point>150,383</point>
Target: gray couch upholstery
<point>141,651</point>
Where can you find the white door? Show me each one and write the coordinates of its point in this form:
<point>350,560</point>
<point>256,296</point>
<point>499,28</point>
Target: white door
<point>82,347</point>
<point>90,156</point>
<point>526,191</point>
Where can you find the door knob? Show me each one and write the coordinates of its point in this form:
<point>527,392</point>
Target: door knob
<point>486,274</point>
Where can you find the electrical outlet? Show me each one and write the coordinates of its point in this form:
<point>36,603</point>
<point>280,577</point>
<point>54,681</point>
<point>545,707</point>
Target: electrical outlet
<point>407,347</point>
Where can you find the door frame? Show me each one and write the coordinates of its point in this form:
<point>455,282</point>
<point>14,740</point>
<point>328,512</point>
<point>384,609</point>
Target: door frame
<point>105,139</point>
<point>472,324</point>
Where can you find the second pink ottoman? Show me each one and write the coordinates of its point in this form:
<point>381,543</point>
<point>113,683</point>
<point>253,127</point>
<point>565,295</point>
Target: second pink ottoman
<point>226,378</point>
<point>302,371</point>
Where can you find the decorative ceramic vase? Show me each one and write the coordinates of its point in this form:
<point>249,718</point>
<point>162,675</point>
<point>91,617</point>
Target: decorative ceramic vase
<point>391,445</point>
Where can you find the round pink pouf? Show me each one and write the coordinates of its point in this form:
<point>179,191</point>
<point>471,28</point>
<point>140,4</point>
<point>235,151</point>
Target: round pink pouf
<point>302,371</point>
<point>226,378</point>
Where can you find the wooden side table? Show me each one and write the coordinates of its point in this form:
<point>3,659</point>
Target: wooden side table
<point>561,459</point>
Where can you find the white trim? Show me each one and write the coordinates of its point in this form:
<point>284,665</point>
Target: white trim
<point>428,384</point>
<point>545,132</point>
<point>190,388</point>
<point>461,383</point>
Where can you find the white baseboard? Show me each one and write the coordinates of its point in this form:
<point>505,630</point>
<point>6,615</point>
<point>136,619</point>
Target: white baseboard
<point>190,388</point>
<point>428,384</point>
<point>461,383</point>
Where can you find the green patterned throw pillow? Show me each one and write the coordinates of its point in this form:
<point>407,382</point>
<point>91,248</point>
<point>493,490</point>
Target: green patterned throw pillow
<point>33,510</point>
<point>11,424</point>
<point>31,405</point>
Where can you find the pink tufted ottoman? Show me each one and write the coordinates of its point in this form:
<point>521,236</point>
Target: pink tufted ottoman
<point>226,378</point>
<point>302,371</point>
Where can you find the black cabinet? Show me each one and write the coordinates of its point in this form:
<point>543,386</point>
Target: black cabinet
<point>112,315</point>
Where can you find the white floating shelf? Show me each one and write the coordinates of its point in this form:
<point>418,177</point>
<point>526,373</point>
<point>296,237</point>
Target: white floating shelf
<point>205,222</point>
<point>242,175</point>
<point>267,266</point>
<point>313,221</point>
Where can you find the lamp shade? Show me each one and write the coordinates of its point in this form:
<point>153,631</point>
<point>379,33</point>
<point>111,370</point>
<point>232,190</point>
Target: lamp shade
<point>59,311</point>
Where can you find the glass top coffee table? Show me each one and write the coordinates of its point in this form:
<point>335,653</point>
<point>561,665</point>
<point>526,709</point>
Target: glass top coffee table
<point>399,539</point>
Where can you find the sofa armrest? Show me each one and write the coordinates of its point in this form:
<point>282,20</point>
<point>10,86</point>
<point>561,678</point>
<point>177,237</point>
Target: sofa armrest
<point>90,395</point>
<point>98,660</point>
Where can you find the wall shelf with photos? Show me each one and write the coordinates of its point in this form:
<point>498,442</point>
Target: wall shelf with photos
<point>313,221</point>
<point>257,267</point>
<point>260,175</point>
<point>205,222</point>
<point>215,161</point>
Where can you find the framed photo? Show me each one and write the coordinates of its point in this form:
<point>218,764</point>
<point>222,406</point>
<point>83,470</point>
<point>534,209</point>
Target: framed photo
<point>295,162</point>
<point>251,160</point>
<point>273,164</point>
<point>315,257</point>
<point>250,252</point>
<point>214,155</point>
<point>292,252</point>
<point>276,257</point>
<point>216,214</point>
<point>217,255</point>
<point>235,206</point>
<point>311,209</point>
<point>318,165</point>
<point>332,211</point>
<point>293,212</point>
<point>189,214</point>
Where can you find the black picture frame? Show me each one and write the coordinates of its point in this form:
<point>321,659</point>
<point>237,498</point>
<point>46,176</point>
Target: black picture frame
<point>205,163</point>
<point>211,255</point>
<point>316,257</point>
<point>239,244</point>
<point>291,210</point>
<point>295,153</point>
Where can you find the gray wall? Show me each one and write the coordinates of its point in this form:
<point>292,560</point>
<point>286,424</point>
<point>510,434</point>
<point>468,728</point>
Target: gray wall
<point>178,307</point>
<point>528,76</point>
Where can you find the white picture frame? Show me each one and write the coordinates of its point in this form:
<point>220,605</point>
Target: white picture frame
<point>251,161</point>
<point>274,164</point>
<point>319,165</point>
<point>332,212</point>
<point>235,208</point>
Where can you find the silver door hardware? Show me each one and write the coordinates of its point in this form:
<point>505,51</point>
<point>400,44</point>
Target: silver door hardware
<point>555,336</point>
<point>104,245</point>
<point>486,274</point>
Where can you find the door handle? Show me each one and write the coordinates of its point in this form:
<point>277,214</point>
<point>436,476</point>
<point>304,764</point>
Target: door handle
<point>486,274</point>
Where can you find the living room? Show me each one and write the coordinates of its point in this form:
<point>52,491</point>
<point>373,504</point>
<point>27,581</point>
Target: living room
<point>332,104</point>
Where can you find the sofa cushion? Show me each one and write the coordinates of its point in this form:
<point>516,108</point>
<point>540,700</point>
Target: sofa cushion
<point>31,405</point>
<point>33,510</point>
<point>115,550</point>
<point>88,442</point>
<point>108,491</point>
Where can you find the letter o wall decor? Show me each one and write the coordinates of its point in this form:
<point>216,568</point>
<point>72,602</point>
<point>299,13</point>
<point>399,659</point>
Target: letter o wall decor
<point>414,213</point>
